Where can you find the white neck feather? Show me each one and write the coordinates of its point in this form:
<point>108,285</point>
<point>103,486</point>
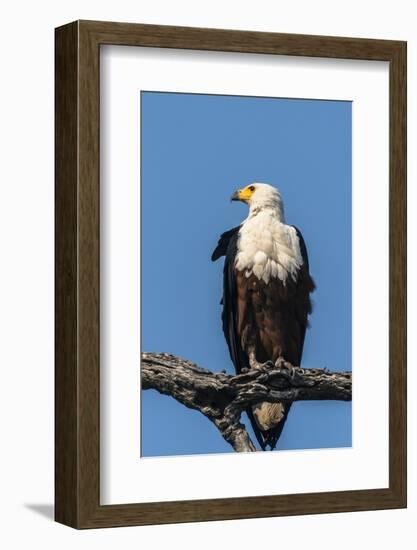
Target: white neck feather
<point>267,247</point>
<point>274,210</point>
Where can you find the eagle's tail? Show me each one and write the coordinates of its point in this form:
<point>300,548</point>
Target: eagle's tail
<point>268,420</point>
<point>256,429</point>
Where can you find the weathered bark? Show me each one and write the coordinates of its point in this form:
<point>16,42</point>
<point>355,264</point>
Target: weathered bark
<point>222,397</point>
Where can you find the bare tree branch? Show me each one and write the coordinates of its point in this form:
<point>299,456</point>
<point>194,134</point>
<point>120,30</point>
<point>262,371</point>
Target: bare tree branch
<point>222,397</point>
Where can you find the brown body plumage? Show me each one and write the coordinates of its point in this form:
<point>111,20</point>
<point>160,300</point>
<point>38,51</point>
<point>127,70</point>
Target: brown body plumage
<point>272,317</point>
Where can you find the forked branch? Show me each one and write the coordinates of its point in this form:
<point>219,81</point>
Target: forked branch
<point>222,397</point>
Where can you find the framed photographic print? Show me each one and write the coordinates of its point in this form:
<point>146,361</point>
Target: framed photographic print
<point>230,274</point>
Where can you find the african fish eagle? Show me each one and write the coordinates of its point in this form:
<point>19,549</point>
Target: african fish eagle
<point>266,296</point>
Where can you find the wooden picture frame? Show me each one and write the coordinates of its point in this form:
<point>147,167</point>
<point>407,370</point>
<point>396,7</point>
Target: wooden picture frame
<point>77,405</point>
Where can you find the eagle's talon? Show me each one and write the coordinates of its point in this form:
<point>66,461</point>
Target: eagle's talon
<point>254,364</point>
<point>286,369</point>
<point>280,363</point>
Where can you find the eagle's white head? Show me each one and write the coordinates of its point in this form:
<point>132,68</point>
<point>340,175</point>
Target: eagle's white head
<point>260,197</point>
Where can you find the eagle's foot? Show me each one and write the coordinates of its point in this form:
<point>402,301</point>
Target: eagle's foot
<point>262,366</point>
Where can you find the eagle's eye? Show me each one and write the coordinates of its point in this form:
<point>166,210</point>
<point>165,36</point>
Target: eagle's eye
<point>252,188</point>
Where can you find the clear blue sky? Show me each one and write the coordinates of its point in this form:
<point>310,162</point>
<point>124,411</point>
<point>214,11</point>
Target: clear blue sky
<point>196,150</point>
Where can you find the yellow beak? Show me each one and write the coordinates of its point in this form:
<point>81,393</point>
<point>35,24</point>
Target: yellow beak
<point>242,195</point>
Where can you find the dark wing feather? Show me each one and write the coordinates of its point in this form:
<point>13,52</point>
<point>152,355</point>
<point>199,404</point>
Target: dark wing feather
<point>305,286</point>
<point>227,246</point>
<point>303,248</point>
<point>223,243</point>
